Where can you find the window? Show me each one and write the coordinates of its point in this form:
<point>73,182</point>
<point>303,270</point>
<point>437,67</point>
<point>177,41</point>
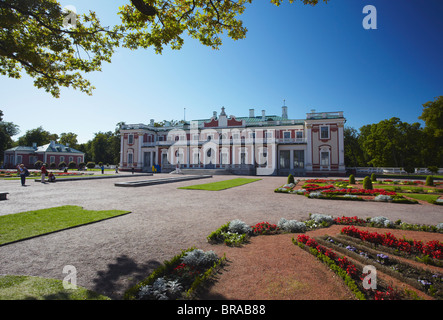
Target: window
<point>79,159</point>
<point>324,132</point>
<point>299,159</point>
<point>324,158</point>
<point>299,134</point>
<point>19,159</point>
<point>71,159</point>
<point>52,159</point>
<point>130,158</point>
<point>131,139</point>
<point>284,159</point>
<point>287,135</point>
<point>62,159</point>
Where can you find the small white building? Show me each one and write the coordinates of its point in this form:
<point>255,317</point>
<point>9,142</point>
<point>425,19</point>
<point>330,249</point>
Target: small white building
<point>254,145</point>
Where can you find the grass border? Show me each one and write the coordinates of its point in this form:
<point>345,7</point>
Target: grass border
<point>206,186</point>
<point>61,229</point>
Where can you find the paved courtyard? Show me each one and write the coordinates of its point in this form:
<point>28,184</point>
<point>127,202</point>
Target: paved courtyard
<point>112,255</point>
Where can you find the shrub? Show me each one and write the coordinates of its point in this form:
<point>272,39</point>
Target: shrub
<point>238,226</point>
<point>82,165</point>
<point>409,169</point>
<point>291,225</point>
<point>367,183</point>
<point>433,169</point>
<point>161,289</point>
<point>290,179</point>
<point>382,197</point>
<point>72,165</point>
<point>320,218</point>
<point>90,165</point>
<point>351,179</point>
<point>373,177</point>
<point>381,221</point>
<point>429,181</point>
<point>52,165</point>
<point>38,164</point>
<point>199,258</point>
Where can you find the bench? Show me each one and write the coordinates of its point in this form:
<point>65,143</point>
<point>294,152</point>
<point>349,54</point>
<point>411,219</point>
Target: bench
<point>3,195</point>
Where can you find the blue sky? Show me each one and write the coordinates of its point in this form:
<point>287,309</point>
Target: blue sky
<point>313,57</point>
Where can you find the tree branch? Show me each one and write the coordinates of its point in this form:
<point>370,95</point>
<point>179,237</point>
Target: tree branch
<point>141,6</point>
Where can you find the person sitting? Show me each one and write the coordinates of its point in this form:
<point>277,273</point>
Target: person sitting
<point>51,177</point>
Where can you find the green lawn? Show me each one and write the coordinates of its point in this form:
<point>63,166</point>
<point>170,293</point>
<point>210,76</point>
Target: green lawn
<point>424,197</point>
<point>28,224</point>
<point>35,288</point>
<point>221,185</point>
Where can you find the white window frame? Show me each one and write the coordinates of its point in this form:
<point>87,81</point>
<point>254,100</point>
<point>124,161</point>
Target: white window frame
<point>328,131</point>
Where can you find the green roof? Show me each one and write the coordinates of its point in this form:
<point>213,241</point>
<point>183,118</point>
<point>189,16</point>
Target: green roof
<point>57,147</point>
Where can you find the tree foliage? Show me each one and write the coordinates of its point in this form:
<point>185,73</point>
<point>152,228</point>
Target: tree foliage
<point>34,38</point>
<point>38,136</point>
<point>37,37</point>
<point>7,130</point>
<point>393,143</point>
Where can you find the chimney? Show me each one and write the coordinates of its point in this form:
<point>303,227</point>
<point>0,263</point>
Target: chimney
<point>214,114</point>
<point>251,113</point>
<point>284,112</point>
<point>263,116</point>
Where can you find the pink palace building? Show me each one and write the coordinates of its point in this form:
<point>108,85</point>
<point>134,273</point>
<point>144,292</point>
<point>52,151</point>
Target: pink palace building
<point>253,145</point>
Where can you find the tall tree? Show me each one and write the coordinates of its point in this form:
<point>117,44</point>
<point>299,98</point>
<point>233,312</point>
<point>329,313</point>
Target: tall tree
<point>353,152</point>
<point>7,131</point>
<point>392,143</point>
<point>432,115</point>
<point>69,138</point>
<point>38,136</point>
<point>56,47</point>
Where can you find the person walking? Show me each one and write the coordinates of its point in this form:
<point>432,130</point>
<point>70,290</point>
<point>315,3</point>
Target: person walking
<point>23,171</point>
<point>44,172</point>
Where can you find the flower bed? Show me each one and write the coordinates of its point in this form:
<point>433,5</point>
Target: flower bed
<point>326,248</point>
<point>348,271</point>
<point>433,249</point>
<point>340,190</point>
<point>429,282</point>
<point>179,278</point>
<point>347,256</point>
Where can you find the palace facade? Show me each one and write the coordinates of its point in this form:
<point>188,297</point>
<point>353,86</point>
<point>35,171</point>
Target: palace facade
<point>254,145</point>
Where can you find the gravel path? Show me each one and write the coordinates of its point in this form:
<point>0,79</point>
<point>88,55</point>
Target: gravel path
<point>112,255</point>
